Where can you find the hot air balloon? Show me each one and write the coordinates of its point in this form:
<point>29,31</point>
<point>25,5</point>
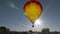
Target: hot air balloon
<point>32,10</point>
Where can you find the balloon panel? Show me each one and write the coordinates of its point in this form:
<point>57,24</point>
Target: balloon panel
<point>32,10</point>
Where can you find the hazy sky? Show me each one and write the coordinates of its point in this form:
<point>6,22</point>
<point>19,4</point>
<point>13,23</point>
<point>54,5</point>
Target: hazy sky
<point>12,15</point>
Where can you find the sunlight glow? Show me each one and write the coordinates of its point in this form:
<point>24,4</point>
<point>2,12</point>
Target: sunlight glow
<point>38,23</point>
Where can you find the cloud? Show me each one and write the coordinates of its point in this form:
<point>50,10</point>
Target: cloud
<point>12,5</point>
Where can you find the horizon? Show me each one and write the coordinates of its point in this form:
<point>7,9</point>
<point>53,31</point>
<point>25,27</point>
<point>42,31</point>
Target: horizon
<point>29,30</point>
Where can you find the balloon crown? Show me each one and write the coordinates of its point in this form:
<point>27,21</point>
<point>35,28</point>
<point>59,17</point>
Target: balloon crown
<point>32,0</point>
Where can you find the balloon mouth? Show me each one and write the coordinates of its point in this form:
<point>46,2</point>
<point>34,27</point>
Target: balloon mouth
<point>32,21</point>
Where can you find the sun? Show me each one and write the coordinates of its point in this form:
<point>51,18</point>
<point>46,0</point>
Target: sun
<point>38,22</point>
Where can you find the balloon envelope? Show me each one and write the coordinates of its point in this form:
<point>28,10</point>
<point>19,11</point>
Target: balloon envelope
<point>32,10</point>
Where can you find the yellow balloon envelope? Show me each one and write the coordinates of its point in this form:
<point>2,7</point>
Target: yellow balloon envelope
<point>32,10</point>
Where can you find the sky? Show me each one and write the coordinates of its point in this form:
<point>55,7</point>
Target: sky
<point>12,15</point>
